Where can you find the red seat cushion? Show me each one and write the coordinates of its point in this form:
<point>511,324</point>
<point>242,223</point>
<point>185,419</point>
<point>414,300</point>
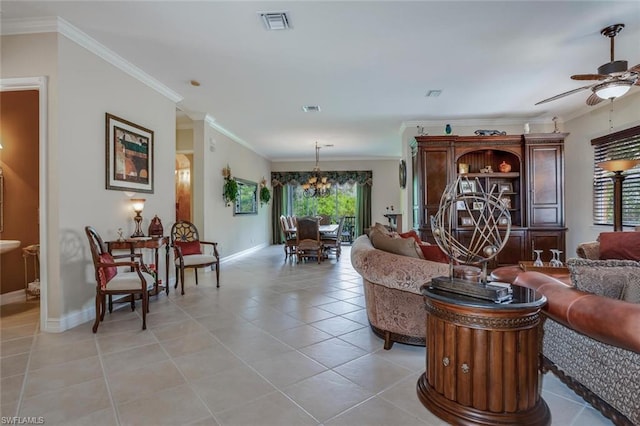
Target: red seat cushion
<point>434,253</point>
<point>620,245</point>
<point>189,247</point>
<point>105,274</point>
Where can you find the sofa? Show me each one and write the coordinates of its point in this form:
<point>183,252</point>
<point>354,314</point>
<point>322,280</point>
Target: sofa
<point>591,334</point>
<point>395,306</point>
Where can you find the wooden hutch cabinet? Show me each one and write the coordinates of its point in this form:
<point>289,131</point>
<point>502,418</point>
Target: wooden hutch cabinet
<point>533,188</point>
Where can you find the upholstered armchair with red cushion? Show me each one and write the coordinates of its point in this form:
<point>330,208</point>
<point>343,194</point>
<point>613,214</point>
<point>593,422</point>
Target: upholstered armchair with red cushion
<point>110,281</point>
<point>189,254</point>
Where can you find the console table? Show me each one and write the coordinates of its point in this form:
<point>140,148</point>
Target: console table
<point>153,243</point>
<point>483,359</point>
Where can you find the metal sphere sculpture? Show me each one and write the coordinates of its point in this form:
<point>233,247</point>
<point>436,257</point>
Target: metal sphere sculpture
<point>489,218</point>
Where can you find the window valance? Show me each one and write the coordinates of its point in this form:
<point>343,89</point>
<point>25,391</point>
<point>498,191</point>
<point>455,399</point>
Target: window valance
<point>360,177</point>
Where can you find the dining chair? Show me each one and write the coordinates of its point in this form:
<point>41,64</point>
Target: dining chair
<point>349,229</point>
<point>290,240</point>
<point>308,239</point>
<point>110,281</point>
<point>325,219</point>
<point>333,242</point>
<point>187,247</point>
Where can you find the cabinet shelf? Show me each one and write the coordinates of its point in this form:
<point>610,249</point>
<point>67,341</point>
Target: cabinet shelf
<point>491,175</point>
<point>537,218</point>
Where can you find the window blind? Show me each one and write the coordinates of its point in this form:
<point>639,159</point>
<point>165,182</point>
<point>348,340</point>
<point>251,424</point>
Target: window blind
<point>616,146</point>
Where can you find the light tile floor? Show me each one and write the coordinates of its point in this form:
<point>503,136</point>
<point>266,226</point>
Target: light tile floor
<point>278,343</point>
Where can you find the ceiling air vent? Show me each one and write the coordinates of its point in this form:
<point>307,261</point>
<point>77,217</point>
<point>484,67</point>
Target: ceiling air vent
<point>311,108</point>
<point>275,20</point>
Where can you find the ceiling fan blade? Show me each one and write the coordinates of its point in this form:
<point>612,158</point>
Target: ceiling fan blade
<point>562,95</point>
<point>594,99</point>
<point>589,77</point>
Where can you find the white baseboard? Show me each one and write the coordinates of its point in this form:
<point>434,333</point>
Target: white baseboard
<point>13,297</point>
<point>243,252</point>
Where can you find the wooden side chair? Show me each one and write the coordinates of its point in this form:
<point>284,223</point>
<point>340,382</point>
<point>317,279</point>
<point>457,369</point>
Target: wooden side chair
<point>290,240</point>
<point>187,246</point>
<point>308,243</point>
<point>333,242</point>
<point>110,281</point>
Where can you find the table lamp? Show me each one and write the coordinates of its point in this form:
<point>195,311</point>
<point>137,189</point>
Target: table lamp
<point>138,206</point>
<point>617,167</point>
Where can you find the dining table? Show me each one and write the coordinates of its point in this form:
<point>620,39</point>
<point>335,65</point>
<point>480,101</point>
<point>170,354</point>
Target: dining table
<point>324,229</point>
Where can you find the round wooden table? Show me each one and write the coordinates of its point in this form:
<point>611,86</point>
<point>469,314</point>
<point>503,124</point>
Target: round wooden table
<point>483,359</point>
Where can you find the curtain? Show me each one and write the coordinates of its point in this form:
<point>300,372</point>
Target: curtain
<point>277,211</point>
<point>363,209</point>
<point>363,179</point>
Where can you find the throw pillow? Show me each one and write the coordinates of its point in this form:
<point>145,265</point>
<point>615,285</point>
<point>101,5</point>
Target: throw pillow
<point>106,273</point>
<point>620,245</point>
<point>411,234</point>
<point>607,278</point>
<point>402,246</point>
<point>189,247</point>
<point>433,252</point>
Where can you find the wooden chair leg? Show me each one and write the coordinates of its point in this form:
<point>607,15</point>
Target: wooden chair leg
<point>145,306</point>
<point>133,302</point>
<point>98,312</point>
<point>177,279</point>
<point>182,280</point>
<point>195,270</point>
<point>110,304</point>
<point>103,300</point>
<point>217,274</point>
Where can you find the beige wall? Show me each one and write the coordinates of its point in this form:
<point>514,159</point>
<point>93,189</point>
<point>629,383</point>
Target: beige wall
<point>234,234</point>
<point>385,190</point>
<point>579,163</point>
<point>82,88</point>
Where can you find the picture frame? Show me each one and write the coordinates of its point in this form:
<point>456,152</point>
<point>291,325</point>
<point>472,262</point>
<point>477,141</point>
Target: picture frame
<point>503,221</point>
<point>247,201</point>
<point>505,187</point>
<point>466,221</point>
<point>461,205</point>
<point>478,205</point>
<point>129,156</point>
<point>467,186</point>
<point>506,202</point>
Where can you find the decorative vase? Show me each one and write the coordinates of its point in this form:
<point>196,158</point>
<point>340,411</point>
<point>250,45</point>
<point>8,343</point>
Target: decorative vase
<point>447,129</point>
<point>504,167</point>
<point>155,227</point>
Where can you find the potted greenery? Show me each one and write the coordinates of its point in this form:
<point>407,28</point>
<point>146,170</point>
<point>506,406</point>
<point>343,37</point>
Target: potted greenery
<point>265,194</point>
<point>230,188</point>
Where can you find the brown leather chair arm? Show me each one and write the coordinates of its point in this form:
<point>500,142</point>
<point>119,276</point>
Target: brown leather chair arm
<point>610,321</point>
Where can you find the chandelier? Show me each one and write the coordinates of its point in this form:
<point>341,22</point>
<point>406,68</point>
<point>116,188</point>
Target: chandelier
<point>317,185</point>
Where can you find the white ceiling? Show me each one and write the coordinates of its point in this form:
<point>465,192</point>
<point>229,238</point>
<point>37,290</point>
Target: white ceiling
<point>368,65</point>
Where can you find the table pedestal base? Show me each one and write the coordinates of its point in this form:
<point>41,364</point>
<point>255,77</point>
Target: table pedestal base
<point>458,414</point>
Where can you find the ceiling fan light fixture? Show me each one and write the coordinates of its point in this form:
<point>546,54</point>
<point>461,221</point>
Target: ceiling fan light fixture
<point>612,89</point>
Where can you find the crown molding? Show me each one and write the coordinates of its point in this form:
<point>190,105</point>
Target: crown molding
<point>59,25</point>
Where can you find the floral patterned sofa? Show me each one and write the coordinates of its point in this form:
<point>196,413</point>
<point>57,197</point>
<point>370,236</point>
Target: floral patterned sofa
<point>395,306</point>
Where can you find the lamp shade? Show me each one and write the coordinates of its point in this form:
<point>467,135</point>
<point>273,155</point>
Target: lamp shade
<point>138,204</point>
<point>618,165</point>
<point>612,89</point>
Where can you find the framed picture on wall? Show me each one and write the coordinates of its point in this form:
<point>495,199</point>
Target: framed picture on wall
<point>466,221</point>
<point>129,156</point>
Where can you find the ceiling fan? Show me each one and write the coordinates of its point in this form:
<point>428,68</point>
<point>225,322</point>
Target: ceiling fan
<point>613,78</point>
